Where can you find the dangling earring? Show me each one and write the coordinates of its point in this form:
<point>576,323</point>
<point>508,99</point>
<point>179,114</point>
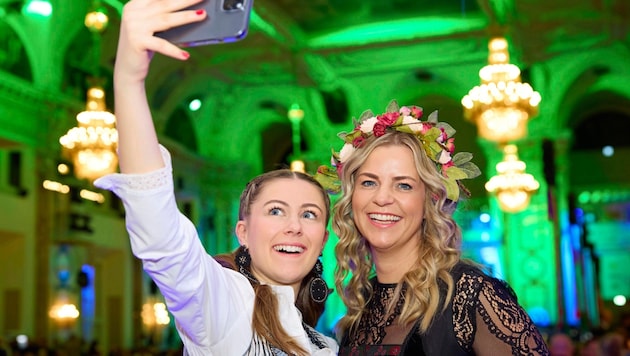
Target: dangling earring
<point>243,260</point>
<point>318,288</point>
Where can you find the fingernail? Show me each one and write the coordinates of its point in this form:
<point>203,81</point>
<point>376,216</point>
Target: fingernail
<point>199,12</point>
<point>185,54</point>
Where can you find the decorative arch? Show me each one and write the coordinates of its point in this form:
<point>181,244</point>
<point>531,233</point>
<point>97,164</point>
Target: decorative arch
<point>180,128</point>
<point>599,119</point>
<point>13,56</point>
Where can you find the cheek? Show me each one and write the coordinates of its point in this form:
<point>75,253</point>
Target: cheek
<point>316,232</point>
<point>357,200</point>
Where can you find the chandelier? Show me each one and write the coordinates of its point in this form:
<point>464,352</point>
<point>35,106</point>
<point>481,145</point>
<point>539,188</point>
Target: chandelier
<point>91,145</point>
<point>501,105</point>
<point>512,186</point>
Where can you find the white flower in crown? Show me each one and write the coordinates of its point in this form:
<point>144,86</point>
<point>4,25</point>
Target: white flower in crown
<point>414,124</point>
<point>345,152</point>
<point>367,126</point>
<point>445,157</point>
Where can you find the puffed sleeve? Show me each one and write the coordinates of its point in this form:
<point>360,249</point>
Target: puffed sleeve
<point>211,305</point>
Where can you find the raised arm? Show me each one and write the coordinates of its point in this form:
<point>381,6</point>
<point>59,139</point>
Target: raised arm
<point>138,148</point>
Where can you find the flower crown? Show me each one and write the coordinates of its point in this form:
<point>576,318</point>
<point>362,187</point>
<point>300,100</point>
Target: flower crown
<point>436,138</point>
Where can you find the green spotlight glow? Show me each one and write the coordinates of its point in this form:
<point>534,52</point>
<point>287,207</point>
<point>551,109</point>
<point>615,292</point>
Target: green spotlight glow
<point>41,8</point>
<point>194,105</point>
<point>584,197</point>
<point>397,30</point>
<point>264,26</point>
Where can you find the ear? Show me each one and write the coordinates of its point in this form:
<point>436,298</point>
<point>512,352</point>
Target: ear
<point>241,232</point>
<point>325,239</point>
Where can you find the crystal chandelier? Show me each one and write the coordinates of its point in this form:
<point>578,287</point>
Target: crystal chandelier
<point>512,186</point>
<point>501,105</point>
<point>91,146</point>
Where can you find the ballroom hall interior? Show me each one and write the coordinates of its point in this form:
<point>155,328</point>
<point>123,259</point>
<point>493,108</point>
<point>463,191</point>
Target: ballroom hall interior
<point>304,71</point>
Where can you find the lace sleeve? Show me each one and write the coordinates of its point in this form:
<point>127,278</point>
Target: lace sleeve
<point>503,326</point>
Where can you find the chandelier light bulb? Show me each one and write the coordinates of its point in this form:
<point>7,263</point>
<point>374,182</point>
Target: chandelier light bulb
<point>512,186</point>
<point>501,105</point>
<point>97,20</point>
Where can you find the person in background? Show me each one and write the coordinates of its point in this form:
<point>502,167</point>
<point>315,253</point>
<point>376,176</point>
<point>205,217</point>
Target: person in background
<point>561,344</point>
<point>399,271</point>
<point>591,347</point>
<point>256,306</point>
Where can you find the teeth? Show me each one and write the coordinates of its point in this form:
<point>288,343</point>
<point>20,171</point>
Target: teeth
<point>384,217</point>
<point>289,248</point>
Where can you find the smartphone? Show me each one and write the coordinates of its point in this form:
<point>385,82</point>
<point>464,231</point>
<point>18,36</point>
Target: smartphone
<point>227,21</point>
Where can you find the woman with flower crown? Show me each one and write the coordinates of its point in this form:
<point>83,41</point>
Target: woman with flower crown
<point>399,267</point>
<point>266,297</point>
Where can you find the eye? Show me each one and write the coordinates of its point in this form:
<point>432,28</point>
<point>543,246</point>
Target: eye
<point>276,211</point>
<point>309,214</point>
<point>405,186</point>
<point>367,183</point>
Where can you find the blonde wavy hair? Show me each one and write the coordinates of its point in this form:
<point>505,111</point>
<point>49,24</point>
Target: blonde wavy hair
<point>438,251</point>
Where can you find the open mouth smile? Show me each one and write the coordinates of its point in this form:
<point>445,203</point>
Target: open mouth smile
<point>292,249</point>
<point>384,218</point>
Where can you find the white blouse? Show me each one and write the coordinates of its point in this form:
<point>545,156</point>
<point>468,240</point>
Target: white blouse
<point>212,305</point>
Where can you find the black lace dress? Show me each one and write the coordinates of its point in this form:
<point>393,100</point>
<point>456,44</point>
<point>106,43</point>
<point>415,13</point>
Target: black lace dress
<point>482,318</point>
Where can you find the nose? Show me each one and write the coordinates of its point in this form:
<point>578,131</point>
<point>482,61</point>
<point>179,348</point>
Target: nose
<point>294,226</point>
<point>383,196</point>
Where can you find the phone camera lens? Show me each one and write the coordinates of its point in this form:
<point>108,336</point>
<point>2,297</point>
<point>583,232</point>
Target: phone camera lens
<point>234,5</point>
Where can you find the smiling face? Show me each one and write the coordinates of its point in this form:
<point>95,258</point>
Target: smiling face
<point>388,204</point>
<point>285,231</point>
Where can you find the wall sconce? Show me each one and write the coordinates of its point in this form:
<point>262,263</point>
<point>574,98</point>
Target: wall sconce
<point>63,311</point>
<point>501,105</point>
<point>512,186</point>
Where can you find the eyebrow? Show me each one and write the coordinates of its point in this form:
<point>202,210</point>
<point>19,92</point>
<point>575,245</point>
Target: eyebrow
<point>397,178</point>
<point>283,203</point>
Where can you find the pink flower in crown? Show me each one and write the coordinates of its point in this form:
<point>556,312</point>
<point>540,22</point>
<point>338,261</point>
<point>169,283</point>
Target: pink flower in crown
<point>388,118</point>
<point>405,111</point>
<point>443,136</point>
<point>416,112</point>
<point>358,142</point>
<point>450,144</point>
<point>339,168</point>
<point>379,129</point>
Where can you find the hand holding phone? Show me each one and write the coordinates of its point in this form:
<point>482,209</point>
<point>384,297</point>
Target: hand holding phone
<point>227,21</point>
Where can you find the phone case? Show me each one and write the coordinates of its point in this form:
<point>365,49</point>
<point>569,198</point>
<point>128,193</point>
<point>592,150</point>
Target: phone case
<point>227,21</point>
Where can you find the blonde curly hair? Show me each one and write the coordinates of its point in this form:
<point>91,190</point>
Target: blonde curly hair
<point>439,248</point>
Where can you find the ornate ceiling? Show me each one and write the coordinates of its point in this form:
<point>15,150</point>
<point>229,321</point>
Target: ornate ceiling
<point>317,41</point>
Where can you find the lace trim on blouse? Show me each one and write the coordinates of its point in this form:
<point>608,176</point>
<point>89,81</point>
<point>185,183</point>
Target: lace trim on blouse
<point>140,182</point>
<point>147,181</point>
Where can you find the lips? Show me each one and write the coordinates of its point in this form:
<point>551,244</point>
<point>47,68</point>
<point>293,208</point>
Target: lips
<point>289,248</point>
<point>384,218</point>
